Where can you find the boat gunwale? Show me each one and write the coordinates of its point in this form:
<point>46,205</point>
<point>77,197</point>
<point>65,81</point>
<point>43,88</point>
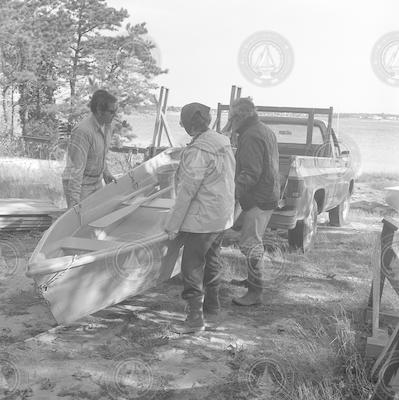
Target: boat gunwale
<point>49,266</point>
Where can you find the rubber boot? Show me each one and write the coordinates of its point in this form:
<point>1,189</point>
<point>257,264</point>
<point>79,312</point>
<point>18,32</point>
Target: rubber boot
<point>212,313</point>
<point>195,318</point>
<point>211,300</point>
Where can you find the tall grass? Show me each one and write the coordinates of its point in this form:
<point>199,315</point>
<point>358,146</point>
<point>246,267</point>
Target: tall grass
<point>31,178</point>
<point>42,179</point>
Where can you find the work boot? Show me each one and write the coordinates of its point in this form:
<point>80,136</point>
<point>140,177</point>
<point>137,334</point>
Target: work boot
<point>195,318</point>
<point>255,284</point>
<point>212,307</point>
<point>251,298</point>
<point>211,300</point>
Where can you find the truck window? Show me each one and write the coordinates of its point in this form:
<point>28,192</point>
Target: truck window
<point>289,133</point>
<point>317,137</point>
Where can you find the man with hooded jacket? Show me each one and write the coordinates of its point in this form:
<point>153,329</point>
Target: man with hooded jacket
<point>257,190</point>
<point>204,208</point>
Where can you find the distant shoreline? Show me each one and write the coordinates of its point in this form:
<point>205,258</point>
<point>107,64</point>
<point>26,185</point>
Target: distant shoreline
<point>374,116</point>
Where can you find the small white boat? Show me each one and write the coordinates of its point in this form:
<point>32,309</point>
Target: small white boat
<point>392,196</point>
<point>112,245</point>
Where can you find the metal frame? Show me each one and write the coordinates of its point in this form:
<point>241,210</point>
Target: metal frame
<point>235,94</point>
<point>311,112</point>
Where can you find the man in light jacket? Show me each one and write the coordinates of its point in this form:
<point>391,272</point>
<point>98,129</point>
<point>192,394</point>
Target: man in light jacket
<point>86,158</point>
<point>204,208</point>
<point>257,190</point>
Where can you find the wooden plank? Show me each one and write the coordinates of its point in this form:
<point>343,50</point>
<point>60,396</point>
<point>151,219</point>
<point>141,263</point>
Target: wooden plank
<point>124,212</point>
<point>27,209</point>
<point>376,299</point>
<point>391,224</point>
<point>115,201</point>
<point>166,128</point>
<point>79,243</point>
<point>375,346</point>
<point>127,200</point>
<point>22,200</point>
<point>385,318</point>
<point>11,223</point>
<point>160,203</point>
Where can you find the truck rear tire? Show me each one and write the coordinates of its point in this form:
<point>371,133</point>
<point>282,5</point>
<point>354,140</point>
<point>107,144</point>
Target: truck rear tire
<point>338,216</point>
<point>302,236</point>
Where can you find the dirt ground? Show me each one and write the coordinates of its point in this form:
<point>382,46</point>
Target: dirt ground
<point>129,351</point>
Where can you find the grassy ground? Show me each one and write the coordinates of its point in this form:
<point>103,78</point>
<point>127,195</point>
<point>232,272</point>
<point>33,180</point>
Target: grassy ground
<point>306,341</point>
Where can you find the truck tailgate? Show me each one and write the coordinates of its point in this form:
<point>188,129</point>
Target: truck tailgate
<point>285,162</point>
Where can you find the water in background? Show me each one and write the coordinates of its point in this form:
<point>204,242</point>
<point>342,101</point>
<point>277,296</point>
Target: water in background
<point>377,140</point>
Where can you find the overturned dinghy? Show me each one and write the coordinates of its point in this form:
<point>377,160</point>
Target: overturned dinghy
<point>112,245</point>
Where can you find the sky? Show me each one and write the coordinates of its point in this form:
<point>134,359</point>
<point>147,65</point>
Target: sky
<point>332,41</point>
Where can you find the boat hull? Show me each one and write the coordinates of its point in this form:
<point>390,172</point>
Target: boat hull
<point>104,266</point>
<point>81,291</point>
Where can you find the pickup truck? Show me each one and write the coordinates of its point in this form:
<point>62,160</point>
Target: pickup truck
<point>316,172</point>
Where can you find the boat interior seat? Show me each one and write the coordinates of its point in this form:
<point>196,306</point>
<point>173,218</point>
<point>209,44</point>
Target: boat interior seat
<point>160,202</point>
<point>118,215</point>
<point>79,243</point>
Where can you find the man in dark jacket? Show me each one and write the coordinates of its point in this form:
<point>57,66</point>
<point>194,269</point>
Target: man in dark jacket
<point>257,190</point>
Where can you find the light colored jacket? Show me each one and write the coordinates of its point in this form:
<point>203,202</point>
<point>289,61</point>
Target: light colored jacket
<point>86,158</point>
<point>205,186</point>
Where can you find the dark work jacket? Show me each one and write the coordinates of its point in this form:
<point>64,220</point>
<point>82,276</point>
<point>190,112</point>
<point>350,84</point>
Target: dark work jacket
<point>257,166</point>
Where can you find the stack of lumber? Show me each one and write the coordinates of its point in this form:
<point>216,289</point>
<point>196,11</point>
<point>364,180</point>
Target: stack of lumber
<point>26,214</point>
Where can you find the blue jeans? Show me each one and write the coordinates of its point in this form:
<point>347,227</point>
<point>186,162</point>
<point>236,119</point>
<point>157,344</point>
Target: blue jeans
<point>200,267</point>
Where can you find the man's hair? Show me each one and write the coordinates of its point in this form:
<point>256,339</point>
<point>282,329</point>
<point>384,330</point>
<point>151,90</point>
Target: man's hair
<point>101,100</point>
<point>244,104</point>
<point>200,122</point>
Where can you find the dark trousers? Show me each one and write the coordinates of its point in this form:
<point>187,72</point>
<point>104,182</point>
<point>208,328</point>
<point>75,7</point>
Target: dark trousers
<point>200,267</point>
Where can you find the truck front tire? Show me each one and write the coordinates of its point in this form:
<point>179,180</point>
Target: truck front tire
<point>302,236</point>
